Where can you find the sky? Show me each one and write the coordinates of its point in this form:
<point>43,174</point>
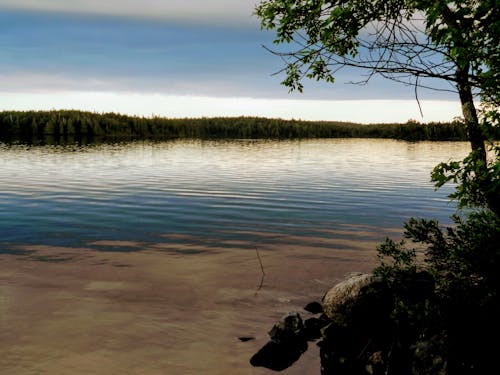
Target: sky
<point>176,58</point>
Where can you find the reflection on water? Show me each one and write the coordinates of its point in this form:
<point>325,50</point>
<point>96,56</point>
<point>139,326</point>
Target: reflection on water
<point>77,195</point>
<point>141,258</point>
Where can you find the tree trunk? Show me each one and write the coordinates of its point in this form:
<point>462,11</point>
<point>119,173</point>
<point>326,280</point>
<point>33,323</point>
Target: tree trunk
<point>476,138</point>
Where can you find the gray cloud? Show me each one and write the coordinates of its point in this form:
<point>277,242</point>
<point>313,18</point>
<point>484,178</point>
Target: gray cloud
<point>219,11</point>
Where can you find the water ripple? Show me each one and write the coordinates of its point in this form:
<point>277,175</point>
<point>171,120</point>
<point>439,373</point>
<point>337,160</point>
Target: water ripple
<point>140,191</point>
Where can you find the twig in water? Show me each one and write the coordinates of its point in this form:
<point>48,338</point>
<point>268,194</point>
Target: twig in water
<point>262,269</point>
<point>260,261</point>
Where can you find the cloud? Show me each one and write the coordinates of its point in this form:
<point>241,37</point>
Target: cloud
<point>175,106</point>
<point>50,53</point>
<point>36,82</point>
<point>202,11</point>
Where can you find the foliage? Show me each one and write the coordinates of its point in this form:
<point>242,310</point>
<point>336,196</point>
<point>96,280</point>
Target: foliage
<point>463,261</point>
<point>404,40</point>
<point>402,259</point>
<point>460,256</point>
<point>462,305</point>
<point>478,181</point>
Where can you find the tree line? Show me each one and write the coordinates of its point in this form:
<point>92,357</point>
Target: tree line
<point>71,125</point>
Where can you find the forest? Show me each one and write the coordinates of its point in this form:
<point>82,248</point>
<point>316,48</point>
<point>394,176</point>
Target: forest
<point>77,126</point>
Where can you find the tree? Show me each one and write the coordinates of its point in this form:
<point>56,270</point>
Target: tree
<point>414,42</point>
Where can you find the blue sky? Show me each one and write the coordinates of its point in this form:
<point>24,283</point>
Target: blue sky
<point>176,59</point>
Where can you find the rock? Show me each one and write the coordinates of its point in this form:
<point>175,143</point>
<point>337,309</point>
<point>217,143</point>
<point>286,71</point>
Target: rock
<point>279,355</point>
<point>288,327</point>
<point>288,342</point>
<point>314,308</point>
<point>313,327</point>
<point>246,338</point>
<point>360,329</point>
<point>355,328</point>
<point>345,293</point>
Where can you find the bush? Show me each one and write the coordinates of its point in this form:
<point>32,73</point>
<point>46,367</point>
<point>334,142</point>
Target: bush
<point>461,264</point>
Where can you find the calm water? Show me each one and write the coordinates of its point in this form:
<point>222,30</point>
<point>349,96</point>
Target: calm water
<point>140,258</point>
<point>74,196</point>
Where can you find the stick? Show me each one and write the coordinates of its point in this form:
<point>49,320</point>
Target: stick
<point>260,261</point>
<point>262,269</point>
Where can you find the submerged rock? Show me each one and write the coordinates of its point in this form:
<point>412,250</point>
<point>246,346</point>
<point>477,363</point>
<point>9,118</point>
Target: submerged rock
<point>355,330</point>
<point>289,326</point>
<point>246,338</point>
<point>286,345</point>
<point>278,355</point>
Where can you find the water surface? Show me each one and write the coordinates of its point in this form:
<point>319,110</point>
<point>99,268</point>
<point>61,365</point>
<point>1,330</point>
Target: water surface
<point>142,258</point>
<point>75,195</point>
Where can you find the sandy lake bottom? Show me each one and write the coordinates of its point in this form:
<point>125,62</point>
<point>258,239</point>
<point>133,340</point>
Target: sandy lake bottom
<point>163,308</point>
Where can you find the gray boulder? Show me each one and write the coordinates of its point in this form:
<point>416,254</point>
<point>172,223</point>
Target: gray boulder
<point>339,299</point>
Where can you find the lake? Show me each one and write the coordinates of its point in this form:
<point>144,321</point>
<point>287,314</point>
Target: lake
<point>143,257</point>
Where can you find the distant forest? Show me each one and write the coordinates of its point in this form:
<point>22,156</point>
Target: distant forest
<point>76,126</point>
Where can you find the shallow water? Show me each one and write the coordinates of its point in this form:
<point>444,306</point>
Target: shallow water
<point>141,257</point>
